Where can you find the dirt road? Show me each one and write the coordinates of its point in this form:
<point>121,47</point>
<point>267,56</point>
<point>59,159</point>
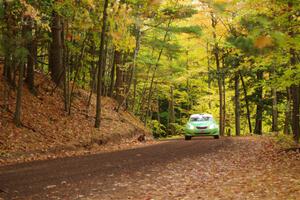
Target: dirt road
<point>174,169</point>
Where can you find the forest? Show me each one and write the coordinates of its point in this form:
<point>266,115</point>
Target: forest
<point>161,60</point>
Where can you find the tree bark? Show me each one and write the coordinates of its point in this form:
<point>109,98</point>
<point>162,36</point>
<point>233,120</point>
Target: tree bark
<point>100,66</point>
<point>217,59</point>
<point>55,53</point>
<point>8,52</point>
<point>21,66</point>
<point>171,110</point>
<point>247,102</point>
<point>93,75</point>
<point>119,76</point>
<point>189,104</point>
<point>104,91</point>
<point>288,118</point>
<point>7,60</point>
<point>208,75</point>
<point>274,111</point>
<point>259,105</point>
<point>134,94</point>
<point>237,105</point>
<point>224,95</point>
<point>295,88</point>
<point>295,97</point>
<point>295,112</point>
<point>150,96</point>
<point>112,76</point>
<point>17,115</point>
<point>66,72</point>
<point>6,87</point>
<point>158,113</point>
<point>31,60</point>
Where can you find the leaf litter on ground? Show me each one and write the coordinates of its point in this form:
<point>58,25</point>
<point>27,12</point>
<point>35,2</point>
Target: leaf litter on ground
<point>251,168</point>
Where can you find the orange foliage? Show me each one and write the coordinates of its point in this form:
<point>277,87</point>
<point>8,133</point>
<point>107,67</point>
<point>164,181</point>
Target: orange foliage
<point>263,42</point>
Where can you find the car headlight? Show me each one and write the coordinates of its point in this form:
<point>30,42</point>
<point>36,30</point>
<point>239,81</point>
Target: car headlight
<point>212,126</point>
<point>190,126</point>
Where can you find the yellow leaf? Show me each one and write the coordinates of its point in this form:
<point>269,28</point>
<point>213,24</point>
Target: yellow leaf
<point>263,42</point>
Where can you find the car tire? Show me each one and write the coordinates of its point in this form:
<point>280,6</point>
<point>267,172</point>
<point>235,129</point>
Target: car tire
<point>216,136</point>
<point>187,137</point>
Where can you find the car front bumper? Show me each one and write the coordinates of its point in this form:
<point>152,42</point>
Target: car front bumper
<point>200,132</point>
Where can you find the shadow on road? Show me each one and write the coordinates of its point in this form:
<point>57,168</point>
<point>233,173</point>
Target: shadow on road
<point>182,138</point>
<point>32,178</point>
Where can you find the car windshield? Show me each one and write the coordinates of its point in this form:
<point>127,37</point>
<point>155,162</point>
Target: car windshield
<point>200,119</point>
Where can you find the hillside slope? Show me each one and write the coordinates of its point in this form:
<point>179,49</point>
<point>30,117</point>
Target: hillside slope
<point>46,127</point>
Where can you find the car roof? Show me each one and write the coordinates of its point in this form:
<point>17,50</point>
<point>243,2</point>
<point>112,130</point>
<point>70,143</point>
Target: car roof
<point>201,115</point>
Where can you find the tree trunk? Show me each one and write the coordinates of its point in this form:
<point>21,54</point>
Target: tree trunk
<point>104,92</point>
<point>14,70</point>
<point>224,96</point>
<point>149,97</point>
<point>8,52</point>
<point>288,117</point>
<point>217,59</point>
<point>17,115</point>
<point>93,75</point>
<point>142,96</point>
<point>7,68</point>
<point>66,72</point>
<point>151,87</point>
<point>189,107</point>
<point>79,65</point>
<point>132,72</point>
<point>216,54</point>
<point>171,110</point>
<point>158,115</point>
<point>134,94</point>
<point>295,97</point>
<point>6,87</point>
<point>112,75</point>
<point>100,66</point>
<point>154,72</point>
<point>294,88</point>
<point>56,53</point>
<point>208,75</point>
<point>6,76</point>
<point>31,60</point>
<point>295,112</point>
<point>259,105</point>
<point>119,77</point>
<point>274,111</point>
<point>247,102</point>
<point>21,65</point>
<point>237,105</point>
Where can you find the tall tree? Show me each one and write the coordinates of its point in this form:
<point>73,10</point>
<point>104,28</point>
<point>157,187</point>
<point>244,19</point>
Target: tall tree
<point>237,105</point>
<point>295,88</point>
<point>32,56</point>
<point>56,49</point>
<point>216,52</point>
<point>101,66</point>
<point>259,105</point>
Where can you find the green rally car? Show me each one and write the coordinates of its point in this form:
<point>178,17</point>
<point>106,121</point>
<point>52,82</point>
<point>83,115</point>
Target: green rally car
<point>201,125</point>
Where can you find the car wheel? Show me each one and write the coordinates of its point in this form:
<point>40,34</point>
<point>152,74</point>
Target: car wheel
<point>187,137</point>
<point>216,136</point>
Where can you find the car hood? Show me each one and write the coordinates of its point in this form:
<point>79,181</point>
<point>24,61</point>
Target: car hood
<point>200,123</point>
